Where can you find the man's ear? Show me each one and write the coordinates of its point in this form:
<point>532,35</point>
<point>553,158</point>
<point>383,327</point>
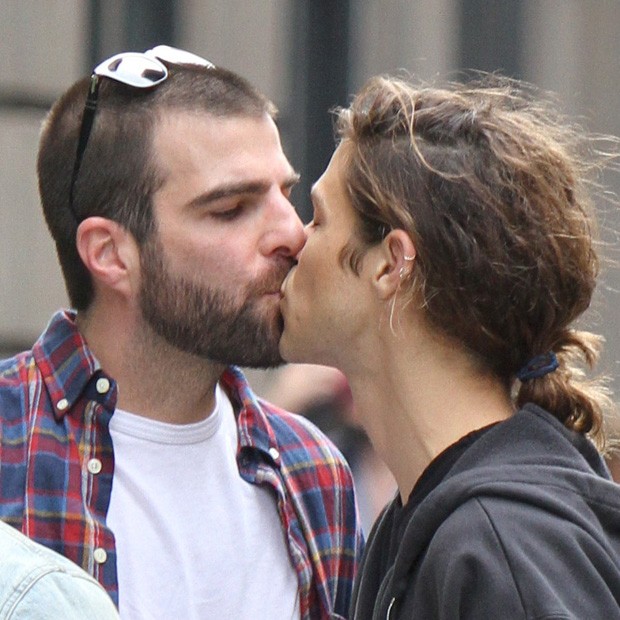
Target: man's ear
<point>109,252</point>
<point>395,262</point>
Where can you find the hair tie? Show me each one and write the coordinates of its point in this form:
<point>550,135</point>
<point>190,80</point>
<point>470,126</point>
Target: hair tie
<point>538,366</point>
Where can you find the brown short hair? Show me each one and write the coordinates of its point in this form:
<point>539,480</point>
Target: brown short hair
<point>118,176</point>
<point>492,185</point>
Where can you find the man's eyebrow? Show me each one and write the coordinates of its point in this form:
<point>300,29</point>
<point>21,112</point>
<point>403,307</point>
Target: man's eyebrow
<point>229,190</point>
<point>292,180</point>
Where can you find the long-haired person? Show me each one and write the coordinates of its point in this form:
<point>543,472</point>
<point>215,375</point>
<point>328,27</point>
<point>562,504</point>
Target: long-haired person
<point>451,251</point>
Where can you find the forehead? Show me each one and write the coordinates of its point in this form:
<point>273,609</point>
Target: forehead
<point>186,143</point>
<point>331,188</point>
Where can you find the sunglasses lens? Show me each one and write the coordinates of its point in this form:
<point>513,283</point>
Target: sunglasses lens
<point>176,56</point>
<point>133,69</point>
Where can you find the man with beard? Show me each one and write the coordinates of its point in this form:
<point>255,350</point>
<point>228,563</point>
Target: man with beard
<point>130,441</point>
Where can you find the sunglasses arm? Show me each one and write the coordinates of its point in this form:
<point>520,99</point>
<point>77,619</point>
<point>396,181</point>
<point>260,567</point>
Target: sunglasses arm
<point>87,123</point>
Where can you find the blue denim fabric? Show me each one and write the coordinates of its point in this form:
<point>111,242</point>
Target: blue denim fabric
<point>37,583</point>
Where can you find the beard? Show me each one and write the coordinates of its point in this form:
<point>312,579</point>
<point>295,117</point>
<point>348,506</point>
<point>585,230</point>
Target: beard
<point>207,322</point>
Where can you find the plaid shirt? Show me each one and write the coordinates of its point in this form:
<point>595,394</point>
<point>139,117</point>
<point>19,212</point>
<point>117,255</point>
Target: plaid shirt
<point>57,465</point>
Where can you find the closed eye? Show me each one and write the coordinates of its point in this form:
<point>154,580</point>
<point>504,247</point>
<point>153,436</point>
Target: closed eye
<point>230,214</point>
<point>312,224</point>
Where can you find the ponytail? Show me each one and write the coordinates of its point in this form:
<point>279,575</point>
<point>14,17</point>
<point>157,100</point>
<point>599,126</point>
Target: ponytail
<point>581,404</point>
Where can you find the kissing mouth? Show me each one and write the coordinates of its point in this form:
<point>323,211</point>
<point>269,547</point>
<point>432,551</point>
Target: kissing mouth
<point>271,285</point>
<point>285,282</point>
<point>277,294</point>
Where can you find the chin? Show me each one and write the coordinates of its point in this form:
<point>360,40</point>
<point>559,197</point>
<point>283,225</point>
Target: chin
<point>287,347</point>
<point>294,352</point>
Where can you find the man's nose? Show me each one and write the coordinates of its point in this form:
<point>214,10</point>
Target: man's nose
<point>286,234</point>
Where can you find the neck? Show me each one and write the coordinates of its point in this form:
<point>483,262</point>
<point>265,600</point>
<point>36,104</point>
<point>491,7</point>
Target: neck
<point>155,379</point>
<point>419,396</point>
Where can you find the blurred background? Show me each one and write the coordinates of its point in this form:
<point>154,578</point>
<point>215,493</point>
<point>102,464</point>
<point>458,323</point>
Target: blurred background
<point>307,56</point>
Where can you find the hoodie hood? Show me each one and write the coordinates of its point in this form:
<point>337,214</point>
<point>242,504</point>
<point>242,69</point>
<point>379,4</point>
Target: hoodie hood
<point>530,459</point>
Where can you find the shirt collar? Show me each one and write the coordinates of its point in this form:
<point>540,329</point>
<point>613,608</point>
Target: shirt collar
<point>254,428</point>
<point>67,365</point>
<point>69,369</point>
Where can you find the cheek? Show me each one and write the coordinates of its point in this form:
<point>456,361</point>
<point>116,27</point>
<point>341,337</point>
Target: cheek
<point>318,261</point>
<point>199,260</point>
<point>307,280</point>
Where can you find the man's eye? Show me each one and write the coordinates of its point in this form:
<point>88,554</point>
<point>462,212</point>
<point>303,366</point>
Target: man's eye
<point>229,214</point>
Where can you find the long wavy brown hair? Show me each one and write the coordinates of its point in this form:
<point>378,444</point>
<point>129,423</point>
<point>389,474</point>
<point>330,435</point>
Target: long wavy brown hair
<point>496,189</point>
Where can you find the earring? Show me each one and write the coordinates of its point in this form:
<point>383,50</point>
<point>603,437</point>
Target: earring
<point>401,273</point>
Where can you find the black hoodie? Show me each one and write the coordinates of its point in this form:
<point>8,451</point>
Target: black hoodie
<point>524,524</point>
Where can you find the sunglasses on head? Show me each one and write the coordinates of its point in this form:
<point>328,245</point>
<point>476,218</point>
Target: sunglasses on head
<point>136,69</point>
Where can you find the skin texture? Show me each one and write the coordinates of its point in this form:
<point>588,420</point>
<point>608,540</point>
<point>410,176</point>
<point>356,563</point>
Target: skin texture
<point>415,391</point>
<point>226,236</point>
<point>212,276</point>
<point>322,290</point>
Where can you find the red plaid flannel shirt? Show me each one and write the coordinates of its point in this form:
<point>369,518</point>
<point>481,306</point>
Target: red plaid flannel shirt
<point>57,464</point>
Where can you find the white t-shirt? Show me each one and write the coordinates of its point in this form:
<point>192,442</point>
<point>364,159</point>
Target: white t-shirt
<point>193,539</point>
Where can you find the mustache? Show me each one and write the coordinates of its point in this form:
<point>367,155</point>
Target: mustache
<point>272,281</point>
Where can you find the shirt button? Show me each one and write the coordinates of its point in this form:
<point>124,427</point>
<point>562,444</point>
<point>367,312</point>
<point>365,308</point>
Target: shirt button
<point>62,404</point>
<point>274,454</point>
<point>100,555</point>
<point>94,466</point>
<point>102,385</point>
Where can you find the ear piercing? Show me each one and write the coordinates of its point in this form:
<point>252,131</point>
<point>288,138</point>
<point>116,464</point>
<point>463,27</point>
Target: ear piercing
<point>401,273</point>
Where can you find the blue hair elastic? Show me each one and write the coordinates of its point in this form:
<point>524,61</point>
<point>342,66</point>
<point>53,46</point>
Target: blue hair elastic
<point>538,366</point>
